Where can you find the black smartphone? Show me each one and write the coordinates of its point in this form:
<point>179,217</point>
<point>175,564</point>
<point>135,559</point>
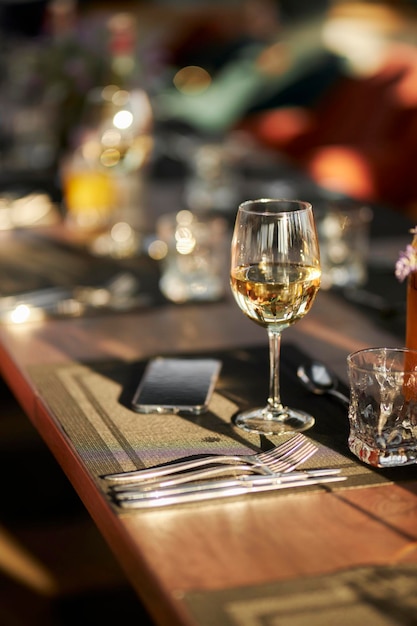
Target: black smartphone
<point>176,385</point>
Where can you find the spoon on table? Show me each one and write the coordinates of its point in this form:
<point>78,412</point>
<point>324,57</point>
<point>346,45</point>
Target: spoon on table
<point>318,379</point>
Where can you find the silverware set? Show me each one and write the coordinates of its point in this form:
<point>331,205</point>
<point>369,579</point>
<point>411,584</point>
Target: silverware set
<point>120,292</point>
<point>200,479</point>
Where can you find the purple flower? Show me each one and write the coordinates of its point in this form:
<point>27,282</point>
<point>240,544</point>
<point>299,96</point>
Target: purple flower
<point>407,262</point>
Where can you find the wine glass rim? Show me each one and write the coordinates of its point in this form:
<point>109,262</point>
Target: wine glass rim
<point>284,205</point>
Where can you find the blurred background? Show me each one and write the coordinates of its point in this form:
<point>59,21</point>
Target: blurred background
<point>330,84</point>
<point>105,108</point>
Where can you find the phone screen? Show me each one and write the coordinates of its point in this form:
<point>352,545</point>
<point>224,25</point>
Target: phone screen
<point>176,385</point>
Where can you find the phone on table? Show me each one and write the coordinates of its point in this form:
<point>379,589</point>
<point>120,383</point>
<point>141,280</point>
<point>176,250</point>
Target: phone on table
<point>176,385</point>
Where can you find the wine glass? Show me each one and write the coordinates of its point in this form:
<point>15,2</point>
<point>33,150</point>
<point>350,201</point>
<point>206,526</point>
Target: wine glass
<point>275,276</point>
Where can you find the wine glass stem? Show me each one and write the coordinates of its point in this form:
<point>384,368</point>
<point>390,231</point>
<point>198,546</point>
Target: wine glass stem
<point>274,399</point>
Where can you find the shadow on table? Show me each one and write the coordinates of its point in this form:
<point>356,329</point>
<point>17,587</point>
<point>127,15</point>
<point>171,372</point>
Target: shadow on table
<point>55,568</point>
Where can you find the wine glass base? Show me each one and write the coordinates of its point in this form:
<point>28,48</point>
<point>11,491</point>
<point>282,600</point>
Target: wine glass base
<point>265,422</point>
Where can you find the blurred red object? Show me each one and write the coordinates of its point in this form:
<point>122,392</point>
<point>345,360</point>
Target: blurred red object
<point>360,138</point>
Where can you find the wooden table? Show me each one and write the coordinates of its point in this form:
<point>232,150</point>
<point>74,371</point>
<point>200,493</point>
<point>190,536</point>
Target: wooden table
<point>167,552</point>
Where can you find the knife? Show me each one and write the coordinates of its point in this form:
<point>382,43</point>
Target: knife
<point>230,475</point>
<point>209,490</point>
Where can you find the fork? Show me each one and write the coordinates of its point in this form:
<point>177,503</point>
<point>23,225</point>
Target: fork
<point>273,464</point>
<point>279,452</point>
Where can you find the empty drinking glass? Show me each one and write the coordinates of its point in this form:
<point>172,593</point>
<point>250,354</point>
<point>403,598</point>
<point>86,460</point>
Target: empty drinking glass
<point>383,406</point>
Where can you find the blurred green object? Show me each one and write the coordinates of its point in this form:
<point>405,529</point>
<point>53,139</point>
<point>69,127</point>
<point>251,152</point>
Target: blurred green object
<point>294,70</point>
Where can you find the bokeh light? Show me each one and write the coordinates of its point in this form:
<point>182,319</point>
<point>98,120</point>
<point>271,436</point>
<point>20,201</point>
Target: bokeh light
<point>192,80</point>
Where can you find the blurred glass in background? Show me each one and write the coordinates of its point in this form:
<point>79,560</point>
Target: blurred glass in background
<point>193,250</point>
<point>344,233</point>
<point>112,143</point>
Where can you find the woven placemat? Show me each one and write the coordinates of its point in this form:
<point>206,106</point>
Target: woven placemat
<point>377,596</point>
<point>91,403</point>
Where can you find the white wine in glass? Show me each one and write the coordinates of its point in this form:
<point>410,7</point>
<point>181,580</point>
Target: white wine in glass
<point>275,275</point>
